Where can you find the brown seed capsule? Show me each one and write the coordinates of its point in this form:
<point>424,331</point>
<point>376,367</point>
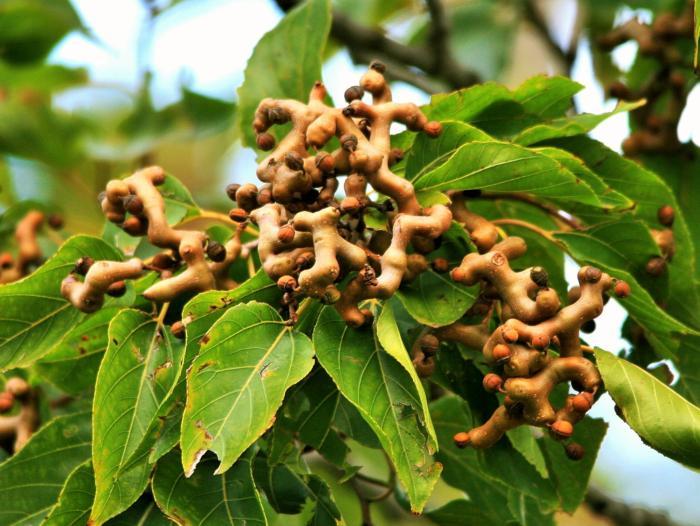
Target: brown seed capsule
<point>540,341</point>
<point>354,93</point>
<point>294,161</point>
<point>433,129</point>
<point>574,294</point>
<point>622,289</point>
<point>582,402</point>
<point>6,401</point>
<point>83,265</point>
<point>6,260</point>
<point>133,226</point>
<point>163,261</point>
<point>216,251</point>
<point>429,344</point>
<point>231,190</point>
<point>656,266</point>
<point>562,428</point>
<point>277,115</point>
<point>501,352</point>
<point>575,451</point>
<point>55,221</point>
<point>677,79</point>
<point>325,162</point>
<point>350,205</point>
<point>440,265</point>
<point>17,387</point>
<point>378,66</point>
<point>539,276</point>
<point>492,382</point>
<point>592,275</point>
<point>666,215</point>
<point>238,215</point>
<point>588,327</point>
<point>265,141</point>
<point>116,289</point>
<point>287,283</point>
<point>178,330</point>
<point>457,274</point>
<point>461,439</point>
<point>133,204</point>
<point>286,233</point>
<point>510,335</point>
<point>348,142</point>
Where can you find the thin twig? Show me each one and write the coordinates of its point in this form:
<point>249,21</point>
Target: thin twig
<point>555,212</point>
<point>535,17</point>
<point>524,224</point>
<point>622,514</point>
<point>363,42</point>
<point>439,34</point>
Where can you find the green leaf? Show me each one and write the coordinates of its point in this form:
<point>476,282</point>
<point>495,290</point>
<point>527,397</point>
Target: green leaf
<point>75,501</point>
<point>238,381</point>
<point>571,476</point>
<point>524,441</point>
<point>143,512</point>
<point>503,167</point>
<point>31,480</point>
<point>545,96</point>
<point>489,476</point>
<point>570,126</point>
<point>72,366</point>
<point>310,410</point>
<point>609,198</point>
<point>649,192</point>
<point>30,28</point>
<point>460,512</point>
<point>288,492</point>
<point>390,339</point>
<point>41,77</point>
<point>230,498</point>
<point>435,300</point>
<point>381,390</point>
<point>286,61</point>
<point>33,314</point>
<point>138,372</point>
<point>428,153</point>
<point>664,419</point>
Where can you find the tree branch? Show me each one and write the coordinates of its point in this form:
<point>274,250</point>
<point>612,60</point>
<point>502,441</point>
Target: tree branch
<point>364,42</point>
<point>535,17</point>
<point>622,514</point>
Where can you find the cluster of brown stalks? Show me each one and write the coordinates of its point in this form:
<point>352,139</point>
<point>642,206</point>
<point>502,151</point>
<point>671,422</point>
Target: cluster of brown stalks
<point>29,254</point>
<point>317,246</point>
<point>535,347</point>
<point>668,87</point>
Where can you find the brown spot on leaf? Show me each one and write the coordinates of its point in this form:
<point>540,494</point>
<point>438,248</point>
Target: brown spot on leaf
<point>204,340</point>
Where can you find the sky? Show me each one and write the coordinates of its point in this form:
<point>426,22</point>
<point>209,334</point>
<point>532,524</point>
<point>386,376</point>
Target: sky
<point>190,43</point>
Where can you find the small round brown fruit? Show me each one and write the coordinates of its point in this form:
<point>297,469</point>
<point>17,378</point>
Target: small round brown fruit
<point>433,129</point>
<point>501,352</point>
<point>294,161</point>
<point>116,289</point>
<point>133,204</point>
<point>562,428</point>
<point>238,215</point>
<point>429,344</point>
<point>656,266</point>
<point>492,382</point>
<point>354,93</point>
<point>582,402</point>
<point>265,141</point>
<point>286,233</point>
<point>55,221</point>
<point>178,330</point>
<point>6,401</point>
<point>461,439</point>
<point>287,283</point>
<point>83,265</point>
<point>539,276</point>
<point>540,341</point>
<point>216,251</point>
<point>133,226</point>
<point>325,162</point>
<point>666,215</point>
<point>575,451</point>
<point>622,289</point>
<point>440,265</point>
<point>6,260</point>
<point>231,190</point>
